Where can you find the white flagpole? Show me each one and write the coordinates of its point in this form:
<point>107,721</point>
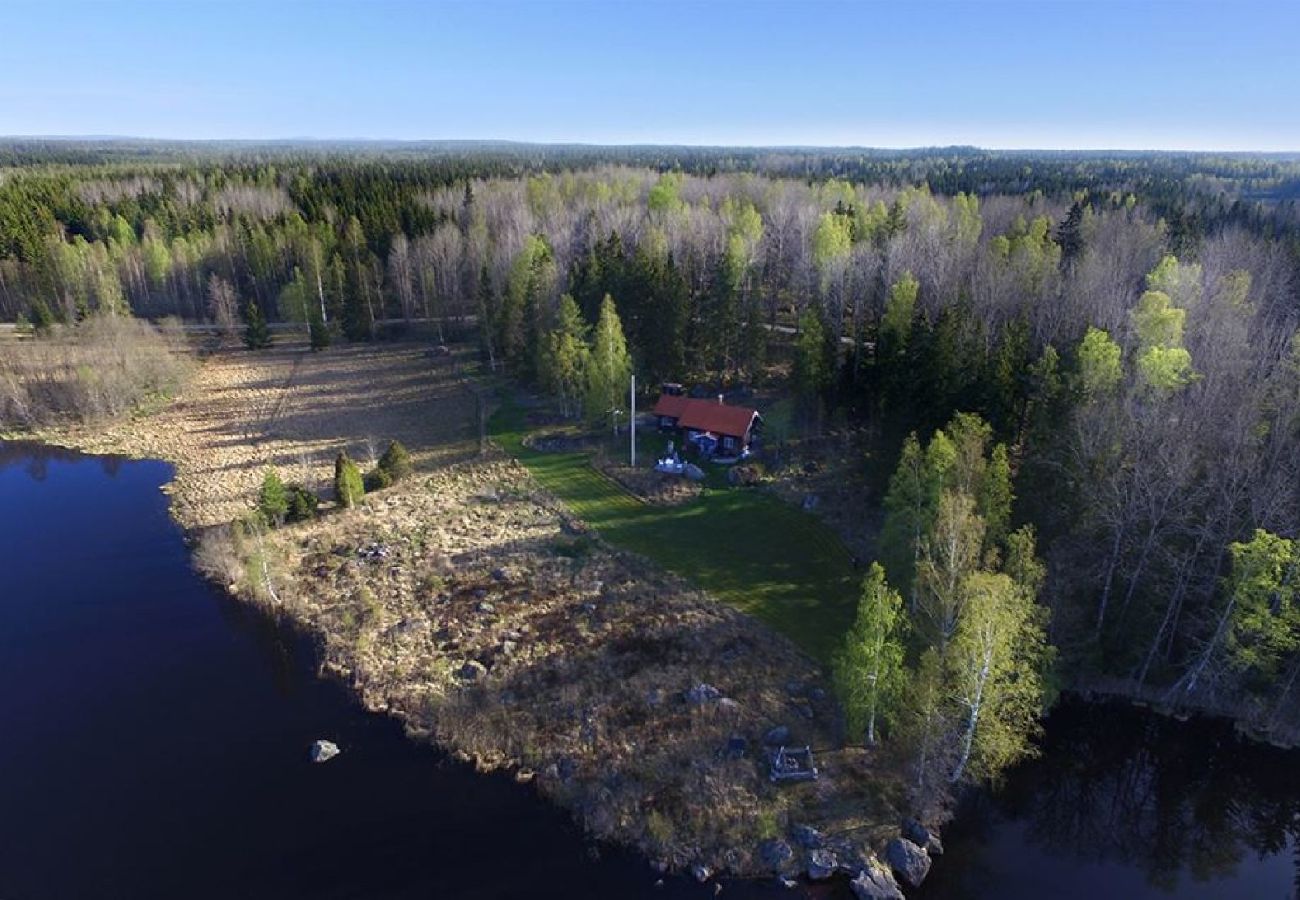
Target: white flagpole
<point>632,420</point>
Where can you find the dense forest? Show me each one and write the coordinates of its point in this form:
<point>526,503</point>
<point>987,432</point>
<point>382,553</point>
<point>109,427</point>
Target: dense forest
<point>1125,324</point>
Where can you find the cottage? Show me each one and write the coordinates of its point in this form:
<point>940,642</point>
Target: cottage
<point>717,428</point>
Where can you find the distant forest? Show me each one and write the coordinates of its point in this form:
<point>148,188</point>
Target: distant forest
<point>1125,322</point>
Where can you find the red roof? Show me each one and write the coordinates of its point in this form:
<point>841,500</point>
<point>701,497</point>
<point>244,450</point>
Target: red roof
<point>706,415</point>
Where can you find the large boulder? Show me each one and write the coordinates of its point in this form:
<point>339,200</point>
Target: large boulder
<point>806,836</point>
<point>323,751</point>
<point>777,855</point>
<point>918,834</point>
<point>910,862</point>
<point>776,736</point>
<point>875,883</point>
<point>701,693</point>
<point>821,864</point>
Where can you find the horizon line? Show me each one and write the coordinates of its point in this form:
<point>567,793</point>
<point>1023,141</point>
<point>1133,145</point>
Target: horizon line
<point>520,142</point>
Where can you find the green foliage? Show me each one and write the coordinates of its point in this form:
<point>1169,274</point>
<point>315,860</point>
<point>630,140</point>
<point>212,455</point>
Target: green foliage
<point>1264,590</point>
<point>376,480</point>
<point>832,240</point>
<point>910,503</point>
<point>257,335</point>
<point>995,496</point>
<point>302,504</point>
<point>348,485</point>
<point>395,462</point>
<point>997,659</point>
<point>1165,369</point>
<point>1099,368</point>
<point>566,358</point>
<point>869,673</point>
<point>272,499</point>
<point>1157,322</point>
<point>318,331</point>
<point>664,196</point>
<point>43,320</point>
<point>609,369</point>
<point>900,311</point>
<point>812,365</point>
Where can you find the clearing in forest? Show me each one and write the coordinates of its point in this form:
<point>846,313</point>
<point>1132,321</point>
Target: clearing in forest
<point>747,548</point>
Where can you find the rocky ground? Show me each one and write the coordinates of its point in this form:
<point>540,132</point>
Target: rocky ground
<point>469,604</point>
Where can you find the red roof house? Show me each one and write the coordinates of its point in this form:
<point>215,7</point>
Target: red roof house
<point>732,427</point>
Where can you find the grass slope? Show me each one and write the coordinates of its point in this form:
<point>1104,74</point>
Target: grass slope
<point>749,549</point>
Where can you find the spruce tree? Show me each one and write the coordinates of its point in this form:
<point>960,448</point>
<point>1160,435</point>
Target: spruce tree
<point>256,333</point>
<point>396,462</point>
<point>272,499</point>
<point>318,331</point>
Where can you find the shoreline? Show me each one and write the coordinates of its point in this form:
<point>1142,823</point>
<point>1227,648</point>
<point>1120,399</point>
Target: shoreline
<point>497,647</point>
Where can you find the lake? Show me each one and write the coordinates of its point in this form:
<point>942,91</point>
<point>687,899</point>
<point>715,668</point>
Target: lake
<point>154,736</point>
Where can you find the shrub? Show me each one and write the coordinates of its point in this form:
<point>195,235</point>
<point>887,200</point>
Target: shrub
<point>377,479</point>
<point>396,462</point>
<point>302,504</point>
<point>103,368</point>
<point>272,501</point>
<point>348,486</point>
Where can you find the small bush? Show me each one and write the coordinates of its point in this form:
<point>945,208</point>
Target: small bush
<point>348,485</point>
<point>377,479</point>
<point>396,461</point>
<point>272,499</point>
<point>302,504</point>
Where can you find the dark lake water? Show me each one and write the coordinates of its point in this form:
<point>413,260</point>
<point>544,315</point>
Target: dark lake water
<point>154,735</point>
<point>1127,804</point>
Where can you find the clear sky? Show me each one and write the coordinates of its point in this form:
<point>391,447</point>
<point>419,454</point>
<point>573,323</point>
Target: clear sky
<point>1165,74</point>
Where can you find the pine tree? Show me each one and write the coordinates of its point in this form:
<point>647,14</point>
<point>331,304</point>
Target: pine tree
<point>256,333</point>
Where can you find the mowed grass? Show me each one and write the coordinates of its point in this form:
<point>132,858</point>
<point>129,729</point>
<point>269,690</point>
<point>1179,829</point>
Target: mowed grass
<point>749,549</point>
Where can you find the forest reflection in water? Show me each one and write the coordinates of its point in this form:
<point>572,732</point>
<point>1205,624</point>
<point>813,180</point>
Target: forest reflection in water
<point>1124,802</point>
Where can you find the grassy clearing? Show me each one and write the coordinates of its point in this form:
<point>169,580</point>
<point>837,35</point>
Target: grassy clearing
<point>751,550</point>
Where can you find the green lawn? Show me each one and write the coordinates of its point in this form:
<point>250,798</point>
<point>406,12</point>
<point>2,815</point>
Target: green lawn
<point>745,547</point>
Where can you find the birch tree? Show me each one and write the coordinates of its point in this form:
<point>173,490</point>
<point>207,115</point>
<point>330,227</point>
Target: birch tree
<point>869,672</point>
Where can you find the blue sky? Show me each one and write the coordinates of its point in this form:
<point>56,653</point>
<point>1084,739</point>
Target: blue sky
<point>1169,74</point>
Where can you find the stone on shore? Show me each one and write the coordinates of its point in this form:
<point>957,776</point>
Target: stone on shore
<point>821,864</point>
<point>323,751</point>
<point>875,883</point>
<point>910,862</point>
<point>918,834</point>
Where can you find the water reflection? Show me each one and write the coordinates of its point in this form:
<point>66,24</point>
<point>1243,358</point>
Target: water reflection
<point>1119,793</point>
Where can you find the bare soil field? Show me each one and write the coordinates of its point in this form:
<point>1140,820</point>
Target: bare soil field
<point>293,409</point>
